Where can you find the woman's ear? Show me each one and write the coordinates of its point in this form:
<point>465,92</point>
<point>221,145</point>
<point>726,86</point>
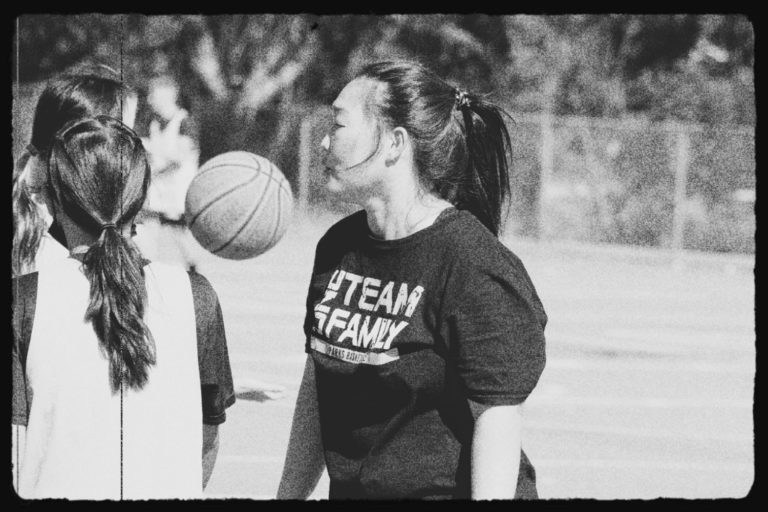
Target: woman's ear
<point>399,142</point>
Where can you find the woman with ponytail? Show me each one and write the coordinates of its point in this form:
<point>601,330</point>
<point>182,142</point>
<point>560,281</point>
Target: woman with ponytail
<point>85,92</point>
<point>424,333</point>
<point>116,361</point>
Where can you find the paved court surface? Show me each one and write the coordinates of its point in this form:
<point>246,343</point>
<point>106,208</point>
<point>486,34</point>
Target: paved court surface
<point>647,392</point>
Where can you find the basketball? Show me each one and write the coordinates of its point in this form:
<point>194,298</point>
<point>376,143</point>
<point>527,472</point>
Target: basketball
<point>238,205</point>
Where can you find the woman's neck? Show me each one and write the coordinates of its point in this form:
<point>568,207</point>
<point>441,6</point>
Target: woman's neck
<point>398,216</point>
<point>79,240</point>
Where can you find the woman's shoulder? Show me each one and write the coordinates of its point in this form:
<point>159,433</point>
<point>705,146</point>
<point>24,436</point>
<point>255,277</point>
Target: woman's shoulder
<point>348,228</point>
<point>476,249</point>
<point>469,238</point>
<point>202,287</point>
<point>482,262</point>
<point>355,222</point>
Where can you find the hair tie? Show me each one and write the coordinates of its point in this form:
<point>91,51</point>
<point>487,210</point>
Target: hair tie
<point>108,225</point>
<point>462,99</point>
<point>32,150</point>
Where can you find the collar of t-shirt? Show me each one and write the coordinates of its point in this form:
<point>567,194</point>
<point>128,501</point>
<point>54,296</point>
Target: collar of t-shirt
<point>414,238</point>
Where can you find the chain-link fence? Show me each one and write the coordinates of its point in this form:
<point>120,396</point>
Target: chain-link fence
<point>627,182</point>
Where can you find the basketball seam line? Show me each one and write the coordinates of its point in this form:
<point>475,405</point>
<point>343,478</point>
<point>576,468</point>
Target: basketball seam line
<point>215,199</point>
<point>259,205</point>
<point>250,217</point>
<point>276,180</point>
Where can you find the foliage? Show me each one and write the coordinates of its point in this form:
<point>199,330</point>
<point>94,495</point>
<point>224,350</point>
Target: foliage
<point>250,79</point>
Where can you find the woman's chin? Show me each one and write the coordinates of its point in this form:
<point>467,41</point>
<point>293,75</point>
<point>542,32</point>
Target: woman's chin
<point>340,191</point>
<point>332,184</point>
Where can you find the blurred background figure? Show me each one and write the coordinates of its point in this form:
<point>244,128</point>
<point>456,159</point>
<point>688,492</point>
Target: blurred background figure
<point>170,136</point>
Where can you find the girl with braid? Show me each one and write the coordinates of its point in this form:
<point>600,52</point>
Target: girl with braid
<point>120,367</point>
<point>85,92</point>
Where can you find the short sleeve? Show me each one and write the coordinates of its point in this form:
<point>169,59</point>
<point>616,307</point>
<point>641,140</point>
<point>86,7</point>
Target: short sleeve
<point>24,300</point>
<point>495,333</point>
<point>216,384</point>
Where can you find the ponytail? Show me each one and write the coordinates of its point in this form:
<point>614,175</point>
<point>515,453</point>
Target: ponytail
<point>486,188</point>
<point>116,308</point>
<point>81,93</point>
<point>98,176</point>
<point>461,144</point>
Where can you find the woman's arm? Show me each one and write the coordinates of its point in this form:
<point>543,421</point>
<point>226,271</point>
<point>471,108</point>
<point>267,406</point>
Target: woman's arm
<point>304,460</point>
<point>496,445</point>
<point>210,450</point>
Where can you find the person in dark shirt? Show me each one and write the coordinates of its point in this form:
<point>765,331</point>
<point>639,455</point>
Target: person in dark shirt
<point>424,333</point>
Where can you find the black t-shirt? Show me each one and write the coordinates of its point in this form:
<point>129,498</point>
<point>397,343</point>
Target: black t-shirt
<point>403,333</point>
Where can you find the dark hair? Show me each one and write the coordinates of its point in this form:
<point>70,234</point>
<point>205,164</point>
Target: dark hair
<point>85,92</point>
<point>99,175</point>
<point>28,224</point>
<point>461,144</point>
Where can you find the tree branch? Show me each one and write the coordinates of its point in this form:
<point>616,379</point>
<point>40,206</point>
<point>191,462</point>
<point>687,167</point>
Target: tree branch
<point>206,65</point>
<point>264,82</point>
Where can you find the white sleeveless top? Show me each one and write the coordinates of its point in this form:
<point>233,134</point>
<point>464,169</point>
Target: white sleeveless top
<point>83,441</point>
<point>48,253</point>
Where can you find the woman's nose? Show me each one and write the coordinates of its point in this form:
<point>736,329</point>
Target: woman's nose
<point>326,142</point>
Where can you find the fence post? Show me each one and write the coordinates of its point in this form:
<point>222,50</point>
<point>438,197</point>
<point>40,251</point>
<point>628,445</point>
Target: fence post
<point>681,157</point>
<point>546,159</point>
<point>305,158</point>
